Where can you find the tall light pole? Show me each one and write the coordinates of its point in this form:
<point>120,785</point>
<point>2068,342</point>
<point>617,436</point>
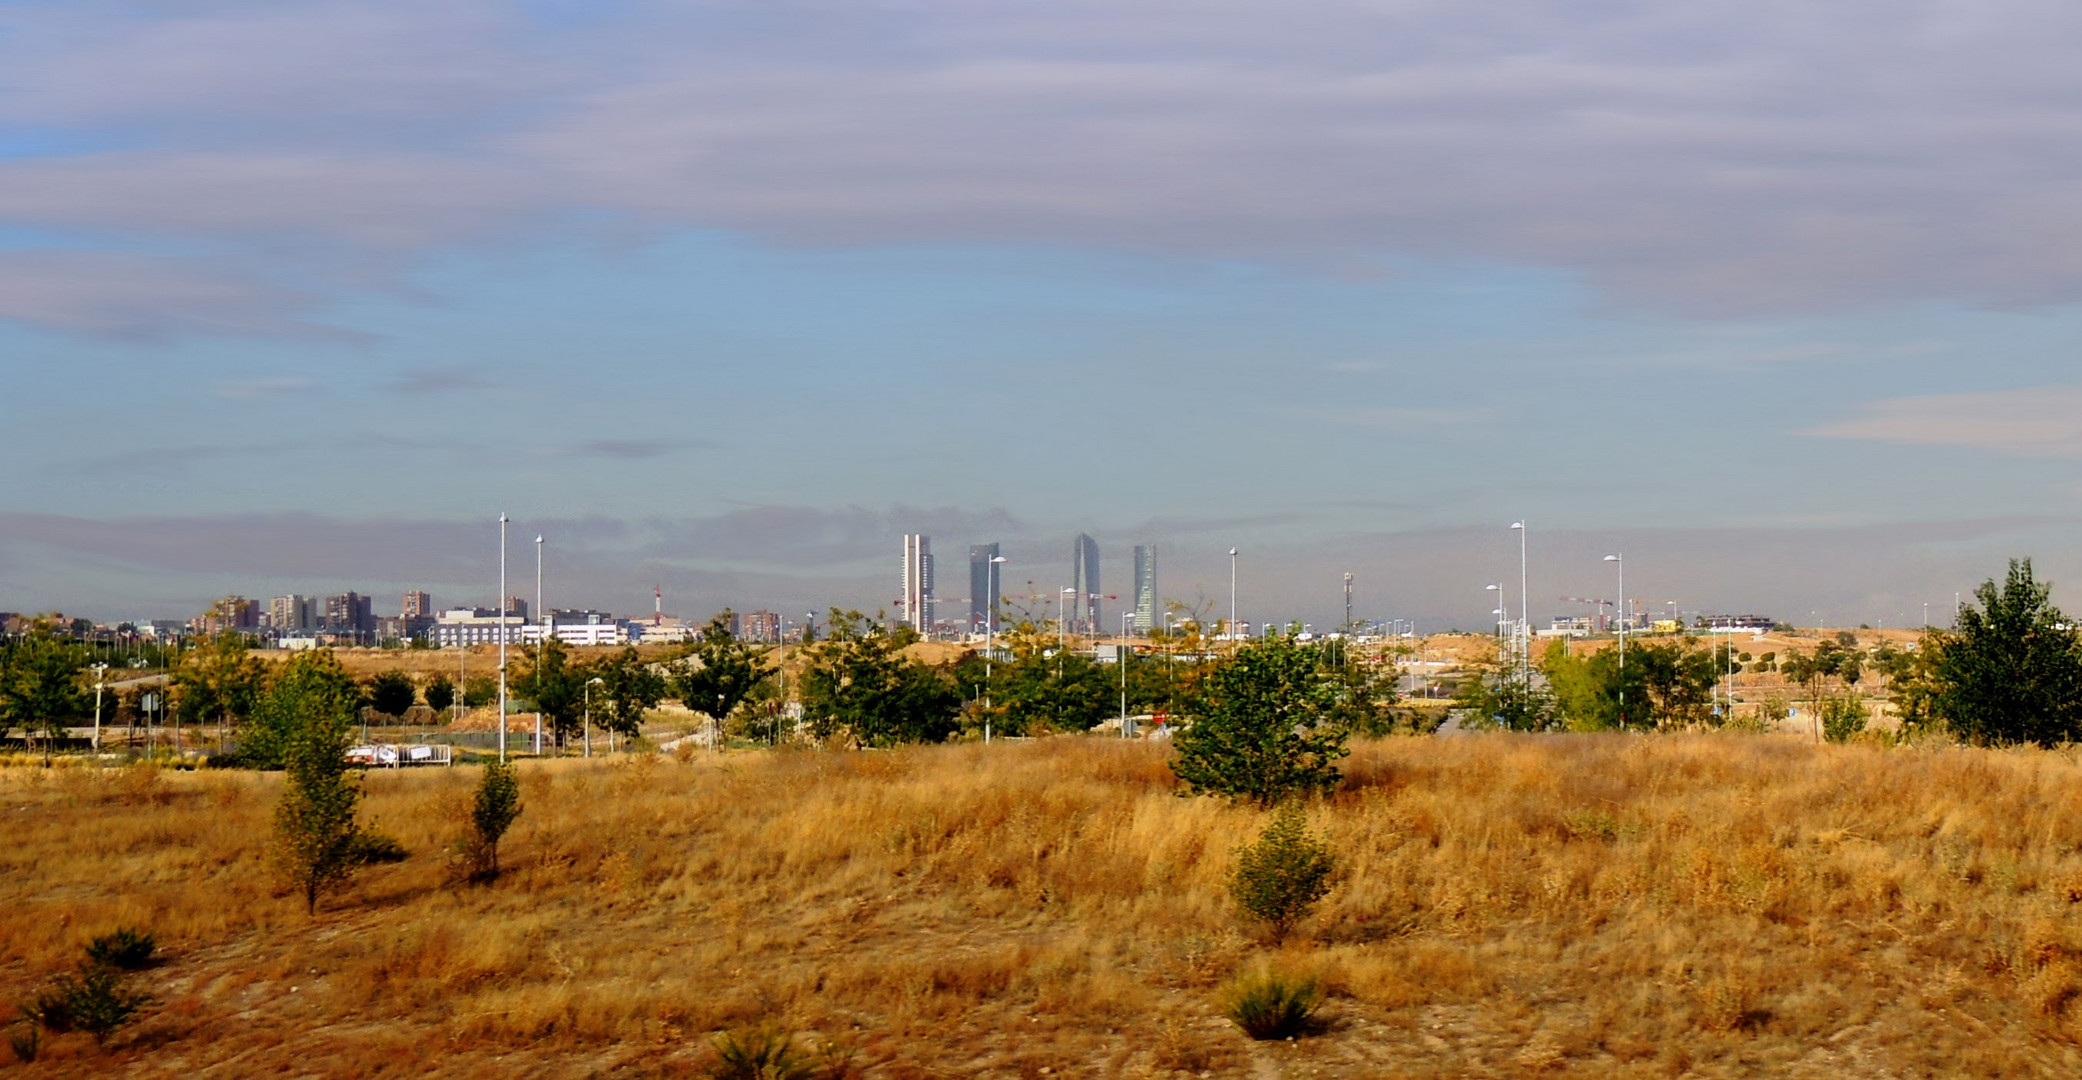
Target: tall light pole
<point>503,605</point>
<point>590,683</point>
<point>1524,638</point>
<point>541,631</point>
<point>1120,656</point>
<point>990,626</point>
<point>1232,594</point>
<point>1498,611</point>
<point>100,678</point>
<point>1621,564</point>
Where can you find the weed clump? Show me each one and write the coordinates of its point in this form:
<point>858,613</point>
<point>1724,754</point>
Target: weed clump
<point>765,1053</point>
<point>125,950</point>
<point>1272,1005</point>
<point>1279,878</point>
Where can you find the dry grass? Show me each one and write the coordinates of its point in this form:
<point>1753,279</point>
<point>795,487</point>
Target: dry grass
<point>1572,906</point>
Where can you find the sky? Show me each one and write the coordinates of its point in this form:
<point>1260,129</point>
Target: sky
<point>1779,300</point>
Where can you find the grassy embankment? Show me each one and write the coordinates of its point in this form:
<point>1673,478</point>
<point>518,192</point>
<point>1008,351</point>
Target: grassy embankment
<point>1589,906</point>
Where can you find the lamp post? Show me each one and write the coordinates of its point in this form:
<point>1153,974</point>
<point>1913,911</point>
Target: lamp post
<point>503,605</point>
<point>1498,611</point>
<point>100,678</point>
<point>1232,593</point>
<point>1523,639</point>
<point>1120,656</point>
<point>540,633</point>
<point>590,683</point>
<point>1621,565</point>
<point>990,626</point>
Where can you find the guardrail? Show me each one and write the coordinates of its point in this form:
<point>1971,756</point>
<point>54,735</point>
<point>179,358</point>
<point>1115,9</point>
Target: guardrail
<point>397,755</point>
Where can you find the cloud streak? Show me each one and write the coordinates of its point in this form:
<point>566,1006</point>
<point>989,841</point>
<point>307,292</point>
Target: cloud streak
<point>1721,158</point>
<point>2039,423</point>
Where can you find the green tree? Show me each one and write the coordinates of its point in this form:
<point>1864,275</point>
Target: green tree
<point>318,842</point>
<point>439,694</point>
<point>857,684</point>
<point>390,693</point>
<point>1042,690</point>
<point>220,680</point>
<point>310,687</point>
<point>1843,717</point>
<point>628,688</point>
<point>1259,728</point>
<point>1279,878</point>
<point>480,691</point>
<point>1499,699</point>
<point>40,685</point>
<point>1664,685</point>
<point>2012,671</point>
<point>721,672</point>
<point>556,688</point>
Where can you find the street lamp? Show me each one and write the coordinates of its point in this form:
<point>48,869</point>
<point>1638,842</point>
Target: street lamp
<point>1232,593</point>
<point>990,626</point>
<point>503,605</point>
<point>541,629</point>
<point>100,676</point>
<point>1621,565</point>
<point>1120,656</point>
<point>590,683</point>
<point>1498,611</point>
<point>1524,638</point>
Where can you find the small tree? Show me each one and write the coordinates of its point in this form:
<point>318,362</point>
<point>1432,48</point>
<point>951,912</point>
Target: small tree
<point>1279,878</point>
<point>439,693</point>
<point>720,674</point>
<point>858,684</point>
<point>318,843</point>
<point>497,805</point>
<point>390,693</point>
<point>1843,717</point>
<point>556,687</point>
<point>1258,731</point>
<point>40,689</point>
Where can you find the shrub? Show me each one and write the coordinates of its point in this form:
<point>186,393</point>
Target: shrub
<point>439,693</point>
<point>1843,717</point>
<point>126,949</point>
<point>1270,1005</point>
<point>497,804</point>
<point>26,1042</point>
<point>96,1001</point>
<point>1279,878</point>
<point>371,846</point>
<point>759,1054</point>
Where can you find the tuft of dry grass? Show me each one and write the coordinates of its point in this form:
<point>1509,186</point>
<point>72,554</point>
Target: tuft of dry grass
<point>1593,906</point>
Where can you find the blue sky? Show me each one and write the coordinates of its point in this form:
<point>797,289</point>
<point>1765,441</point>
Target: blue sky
<point>726,296</point>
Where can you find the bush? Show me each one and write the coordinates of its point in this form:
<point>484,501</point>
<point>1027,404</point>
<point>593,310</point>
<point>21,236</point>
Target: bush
<point>1843,718</point>
<point>26,1042</point>
<point>126,949</point>
<point>766,1053</point>
<point>95,1001</point>
<point>1279,878</point>
<point>371,846</point>
<point>1270,1005</point>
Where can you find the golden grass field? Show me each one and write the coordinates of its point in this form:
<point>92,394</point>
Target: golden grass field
<point>1585,906</point>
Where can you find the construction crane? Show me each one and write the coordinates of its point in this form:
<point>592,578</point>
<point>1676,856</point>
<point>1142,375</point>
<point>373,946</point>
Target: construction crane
<point>1601,605</point>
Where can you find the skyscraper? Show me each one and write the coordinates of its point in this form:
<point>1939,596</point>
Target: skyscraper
<point>983,587</point>
<point>1084,578</point>
<point>918,582</point>
<point>417,605</point>
<point>289,612</point>
<point>1145,587</point>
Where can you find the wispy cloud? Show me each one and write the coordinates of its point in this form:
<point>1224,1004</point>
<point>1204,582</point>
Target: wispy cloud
<point>446,380</point>
<point>1716,158</point>
<point>2045,422</point>
<point>250,389</point>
